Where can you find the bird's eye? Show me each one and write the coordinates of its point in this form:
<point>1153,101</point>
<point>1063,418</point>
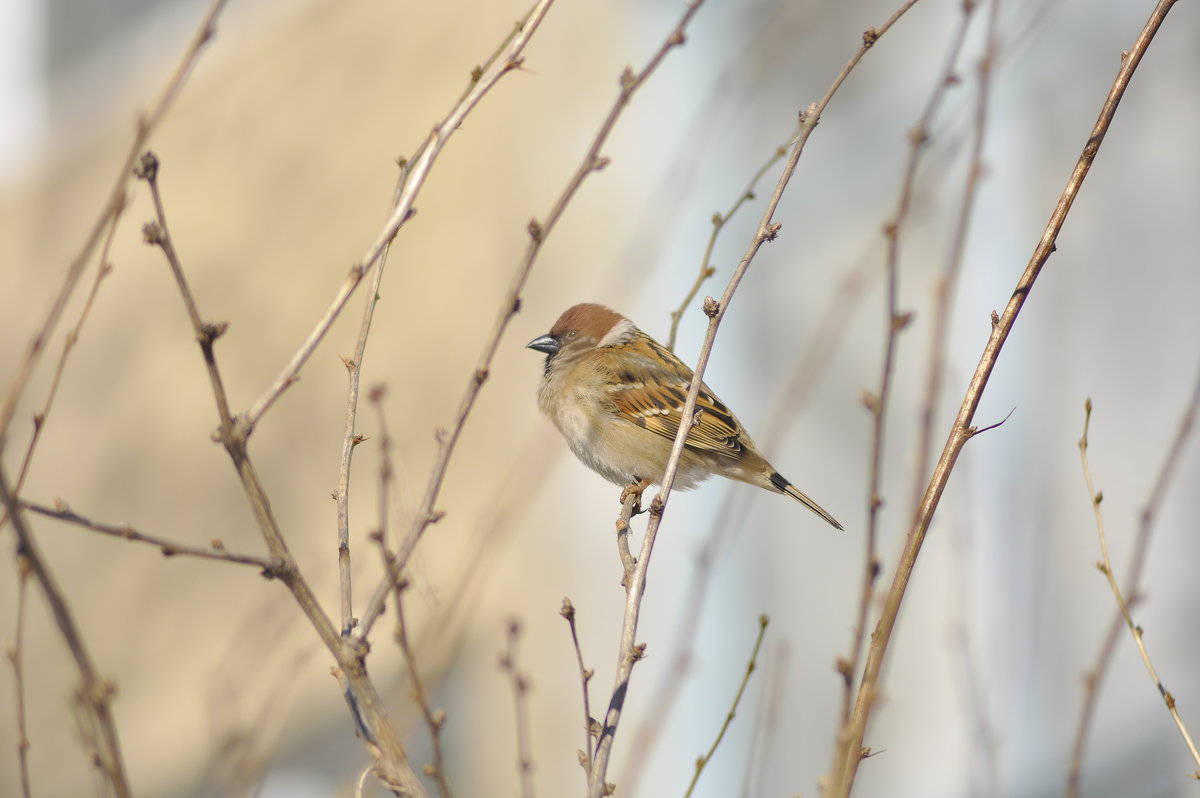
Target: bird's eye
<point>571,334</point>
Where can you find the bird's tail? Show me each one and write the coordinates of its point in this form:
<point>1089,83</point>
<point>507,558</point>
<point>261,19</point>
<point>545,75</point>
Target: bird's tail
<point>785,487</point>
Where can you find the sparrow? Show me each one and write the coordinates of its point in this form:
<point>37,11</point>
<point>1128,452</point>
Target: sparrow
<point>616,395</point>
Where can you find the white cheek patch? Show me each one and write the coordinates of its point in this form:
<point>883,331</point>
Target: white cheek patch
<point>620,330</point>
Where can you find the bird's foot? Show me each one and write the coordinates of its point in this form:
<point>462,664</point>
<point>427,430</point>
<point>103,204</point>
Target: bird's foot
<point>635,491</point>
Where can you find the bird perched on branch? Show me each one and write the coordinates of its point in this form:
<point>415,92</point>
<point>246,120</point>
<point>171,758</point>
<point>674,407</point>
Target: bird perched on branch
<point>617,395</point>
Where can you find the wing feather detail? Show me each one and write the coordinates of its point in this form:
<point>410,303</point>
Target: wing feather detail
<point>652,394</point>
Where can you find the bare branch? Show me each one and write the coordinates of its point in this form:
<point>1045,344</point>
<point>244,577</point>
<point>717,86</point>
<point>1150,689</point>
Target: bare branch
<point>16,654</point>
<point>634,582</point>
<point>169,548</point>
<point>418,172</point>
<point>962,431</point>
<point>719,221</point>
<point>520,690</point>
<point>705,758</point>
<point>1105,566</point>
<point>585,676</point>
<point>511,304</point>
<point>147,123</point>
<point>391,763</point>
<point>95,694</point>
<point>894,323</point>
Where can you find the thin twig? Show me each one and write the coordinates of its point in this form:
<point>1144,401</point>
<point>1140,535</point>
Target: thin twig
<point>434,719</point>
<point>15,655</point>
<point>95,694</point>
<point>719,221</point>
<point>962,430</point>
<point>391,763</point>
<point>419,168</point>
<point>585,676</point>
<point>767,230</point>
<point>350,439</point>
<point>147,123</point>
<point>510,305</point>
<point>169,548</point>
<point>705,758</point>
<point>766,729</point>
<point>72,337</point>
<point>1105,567</point>
<point>1095,677</point>
<point>894,322</point>
<point>520,690</point>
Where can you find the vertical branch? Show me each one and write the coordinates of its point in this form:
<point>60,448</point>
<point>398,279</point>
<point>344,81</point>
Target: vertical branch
<point>962,429</point>
<point>946,285</point>
<point>350,439</point>
<point>15,656</point>
<point>585,676</point>
<point>894,323</point>
<point>520,689</point>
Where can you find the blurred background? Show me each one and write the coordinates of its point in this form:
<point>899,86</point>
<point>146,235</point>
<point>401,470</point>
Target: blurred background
<point>278,170</point>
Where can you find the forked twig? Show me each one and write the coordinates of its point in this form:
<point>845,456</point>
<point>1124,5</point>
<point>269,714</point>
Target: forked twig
<point>391,763</point>
<point>350,437</point>
<point>1105,567</point>
<point>719,220</point>
<point>94,694</point>
<point>418,171</point>
<point>147,123</point>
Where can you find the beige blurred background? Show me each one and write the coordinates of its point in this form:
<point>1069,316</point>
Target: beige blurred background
<point>277,172</point>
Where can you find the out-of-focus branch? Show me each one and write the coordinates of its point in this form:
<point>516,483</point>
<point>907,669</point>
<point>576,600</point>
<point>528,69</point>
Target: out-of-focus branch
<point>894,322</point>
<point>169,548</point>
<point>511,304</point>
<point>146,125</point>
<point>948,281</point>
<point>418,171</point>
<point>520,690</point>
<point>962,430</point>
<point>95,694</point>
<point>635,580</point>
<point>16,657</point>
<point>1106,568</point>
<point>704,758</point>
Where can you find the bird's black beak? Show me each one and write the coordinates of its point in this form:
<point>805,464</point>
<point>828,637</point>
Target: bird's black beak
<point>546,343</point>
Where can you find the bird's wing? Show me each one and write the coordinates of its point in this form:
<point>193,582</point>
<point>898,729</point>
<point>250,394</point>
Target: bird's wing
<point>651,394</point>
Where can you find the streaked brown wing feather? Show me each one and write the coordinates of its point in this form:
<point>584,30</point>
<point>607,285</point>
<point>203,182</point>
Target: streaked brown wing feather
<point>652,396</point>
